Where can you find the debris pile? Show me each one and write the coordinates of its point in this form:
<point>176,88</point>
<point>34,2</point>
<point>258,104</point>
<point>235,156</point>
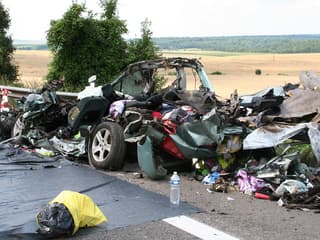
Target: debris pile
<point>254,144</point>
<point>282,125</point>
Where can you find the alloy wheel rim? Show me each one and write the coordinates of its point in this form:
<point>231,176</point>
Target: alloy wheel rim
<point>101,145</point>
<point>18,127</point>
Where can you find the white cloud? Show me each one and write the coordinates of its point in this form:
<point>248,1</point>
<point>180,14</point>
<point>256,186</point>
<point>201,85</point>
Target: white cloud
<point>31,19</point>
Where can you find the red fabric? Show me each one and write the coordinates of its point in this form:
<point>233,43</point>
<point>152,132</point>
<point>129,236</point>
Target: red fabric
<point>170,127</point>
<point>157,115</point>
<point>169,146</point>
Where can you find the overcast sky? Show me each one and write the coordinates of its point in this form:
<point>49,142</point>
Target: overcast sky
<point>30,19</point>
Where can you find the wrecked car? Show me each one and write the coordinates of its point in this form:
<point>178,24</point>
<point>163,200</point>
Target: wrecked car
<point>174,122</point>
<point>38,114</point>
<point>170,124</point>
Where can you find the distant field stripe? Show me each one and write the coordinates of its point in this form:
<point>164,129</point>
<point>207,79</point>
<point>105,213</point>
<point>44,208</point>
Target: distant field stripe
<point>198,229</point>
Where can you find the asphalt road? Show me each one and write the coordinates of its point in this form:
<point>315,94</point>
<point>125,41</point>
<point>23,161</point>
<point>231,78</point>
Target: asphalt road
<point>236,214</point>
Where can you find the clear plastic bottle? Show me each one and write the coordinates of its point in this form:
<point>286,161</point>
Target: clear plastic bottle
<point>175,189</point>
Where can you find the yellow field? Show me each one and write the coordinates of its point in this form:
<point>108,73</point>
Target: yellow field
<point>33,66</point>
<point>238,69</point>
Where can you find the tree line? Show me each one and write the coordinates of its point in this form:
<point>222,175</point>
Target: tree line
<point>263,44</point>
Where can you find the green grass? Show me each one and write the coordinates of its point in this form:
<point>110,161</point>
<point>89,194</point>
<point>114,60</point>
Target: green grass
<point>304,149</point>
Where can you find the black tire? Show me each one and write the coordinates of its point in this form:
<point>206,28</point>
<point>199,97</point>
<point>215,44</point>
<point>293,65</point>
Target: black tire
<point>107,147</point>
<point>18,127</point>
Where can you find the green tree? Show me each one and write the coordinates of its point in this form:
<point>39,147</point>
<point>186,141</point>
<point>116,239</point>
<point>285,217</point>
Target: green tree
<point>8,71</point>
<point>143,48</point>
<point>84,44</point>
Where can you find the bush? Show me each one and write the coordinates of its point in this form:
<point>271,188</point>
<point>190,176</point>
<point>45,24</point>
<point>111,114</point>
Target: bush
<point>216,73</point>
<point>8,70</point>
<point>258,72</point>
<point>160,82</point>
<point>84,45</point>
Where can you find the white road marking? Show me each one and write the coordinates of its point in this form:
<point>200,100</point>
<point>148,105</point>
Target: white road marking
<point>198,229</point>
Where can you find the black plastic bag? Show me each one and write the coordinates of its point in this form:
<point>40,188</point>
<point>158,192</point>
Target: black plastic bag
<point>55,220</point>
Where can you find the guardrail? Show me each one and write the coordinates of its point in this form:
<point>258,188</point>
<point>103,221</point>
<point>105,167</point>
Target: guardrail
<point>17,92</point>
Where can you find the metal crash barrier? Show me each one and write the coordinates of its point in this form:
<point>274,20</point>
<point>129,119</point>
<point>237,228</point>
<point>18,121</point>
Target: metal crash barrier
<point>17,92</point>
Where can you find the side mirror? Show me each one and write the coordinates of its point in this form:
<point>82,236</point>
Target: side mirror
<point>92,80</point>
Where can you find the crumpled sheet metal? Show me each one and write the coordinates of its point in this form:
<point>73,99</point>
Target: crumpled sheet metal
<point>314,136</point>
<point>303,102</point>
<point>202,133</point>
<point>309,80</point>
<point>279,167</point>
<point>276,91</point>
<point>148,162</point>
<point>69,147</point>
<point>271,135</point>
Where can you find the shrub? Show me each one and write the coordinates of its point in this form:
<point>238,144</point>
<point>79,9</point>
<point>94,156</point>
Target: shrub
<point>8,70</point>
<point>216,73</point>
<point>258,72</point>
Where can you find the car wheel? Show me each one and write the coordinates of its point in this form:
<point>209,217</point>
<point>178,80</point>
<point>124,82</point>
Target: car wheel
<point>18,126</point>
<point>107,147</point>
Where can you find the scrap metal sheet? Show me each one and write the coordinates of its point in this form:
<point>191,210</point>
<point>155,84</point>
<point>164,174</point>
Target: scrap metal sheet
<point>270,136</point>
<point>303,102</point>
<point>309,80</point>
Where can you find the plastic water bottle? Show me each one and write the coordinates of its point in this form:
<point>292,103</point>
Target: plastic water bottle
<point>175,189</point>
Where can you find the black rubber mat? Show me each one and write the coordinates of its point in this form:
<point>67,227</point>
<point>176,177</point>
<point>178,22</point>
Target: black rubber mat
<point>28,181</point>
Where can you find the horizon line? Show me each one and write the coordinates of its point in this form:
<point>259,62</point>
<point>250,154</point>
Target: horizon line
<point>222,36</point>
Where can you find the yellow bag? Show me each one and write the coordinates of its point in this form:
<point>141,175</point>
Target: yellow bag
<point>84,211</point>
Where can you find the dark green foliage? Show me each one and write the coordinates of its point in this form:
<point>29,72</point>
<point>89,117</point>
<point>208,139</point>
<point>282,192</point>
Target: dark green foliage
<point>84,45</point>
<point>258,72</point>
<point>216,73</point>
<point>267,44</point>
<point>160,82</point>
<point>143,48</point>
<point>87,45</point>
<point>8,71</point>
<point>304,149</point>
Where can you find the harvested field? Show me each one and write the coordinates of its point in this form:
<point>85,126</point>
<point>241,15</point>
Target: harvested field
<point>237,70</point>
<point>33,66</point>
